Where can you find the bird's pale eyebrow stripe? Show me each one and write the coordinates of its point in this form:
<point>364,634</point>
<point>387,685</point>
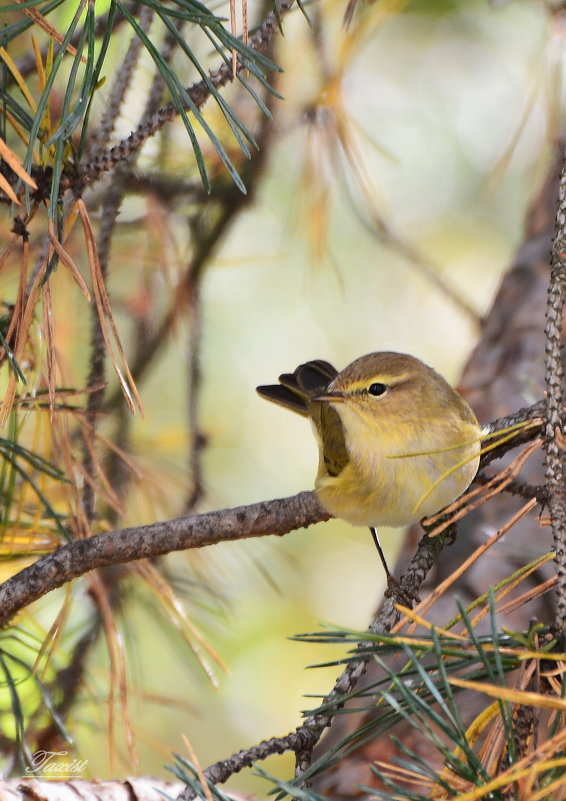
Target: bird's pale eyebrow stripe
<point>389,381</point>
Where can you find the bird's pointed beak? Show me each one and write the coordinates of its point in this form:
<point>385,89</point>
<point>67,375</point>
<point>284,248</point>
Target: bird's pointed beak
<point>330,397</point>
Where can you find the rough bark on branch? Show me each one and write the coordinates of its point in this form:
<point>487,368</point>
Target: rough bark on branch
<point>279,517</point>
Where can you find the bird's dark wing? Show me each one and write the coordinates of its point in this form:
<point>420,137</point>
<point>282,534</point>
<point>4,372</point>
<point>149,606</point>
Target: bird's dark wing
<point>295,391</point>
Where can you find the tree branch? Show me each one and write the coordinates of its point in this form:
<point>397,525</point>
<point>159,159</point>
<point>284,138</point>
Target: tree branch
<point>555,463</point>
<point>142,542</point>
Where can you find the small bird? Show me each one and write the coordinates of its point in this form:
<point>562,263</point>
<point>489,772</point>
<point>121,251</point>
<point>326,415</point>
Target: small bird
<point>396,442</point>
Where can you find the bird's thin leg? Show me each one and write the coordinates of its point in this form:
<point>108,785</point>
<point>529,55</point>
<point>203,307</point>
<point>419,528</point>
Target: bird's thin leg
<point>394,587</point>
<point>375,535</point>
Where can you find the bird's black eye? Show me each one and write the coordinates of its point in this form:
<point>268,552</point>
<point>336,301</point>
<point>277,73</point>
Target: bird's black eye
<point>377,389</point>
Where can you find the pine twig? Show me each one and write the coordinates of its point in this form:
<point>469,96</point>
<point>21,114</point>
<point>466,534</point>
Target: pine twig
<point>121,84</point>
<point>555,463</point>
<point>199,93</point>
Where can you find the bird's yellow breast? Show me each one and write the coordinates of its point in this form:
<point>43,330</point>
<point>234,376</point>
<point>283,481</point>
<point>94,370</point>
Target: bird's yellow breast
<point>392,472</point>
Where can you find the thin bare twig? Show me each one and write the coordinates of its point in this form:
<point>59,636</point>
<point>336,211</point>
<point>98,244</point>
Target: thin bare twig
<point>196,437</point>
<point>232,201</point>
<point>121,84</point>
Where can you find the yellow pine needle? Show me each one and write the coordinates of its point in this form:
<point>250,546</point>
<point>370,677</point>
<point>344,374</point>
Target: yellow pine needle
<point>531,775</point>
<point>107,324</point>
<point>42,80</point>
<point>482,493</point>
<point>49,58</point>
<point>198,767</point>
<point>511,582</point>
<point>489,749</point>
<point>550,674</point>
<point>421,621</point>
<point>17,543</point>
<point>118,676</point>
<point>494,743</point>
<point>534,763</point>
<point>66,259</point>
<point>6,187</point>
<point>18,77</point>
<point>70,220</point>
<point>508,583</point>
<point>444,585</point>
<point>459,641</point>
<point>40,71</point>
<point>521,654</point>
<point>52,32</point>
<point>536,592</point>
<point>510,776</point>
<point>548,790</point>
<point>440,479</point>
<point>510,431</point>
<point>51,640</point>
<point>522,697</point>
<point>40,443</point>
<point>179,617</point>
<point>14,163</point>
<point>479,724</point>
<point>19,131</point>
<point>399,773</point>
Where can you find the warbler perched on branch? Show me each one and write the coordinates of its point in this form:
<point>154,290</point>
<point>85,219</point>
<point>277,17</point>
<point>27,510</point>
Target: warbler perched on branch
<point>396,442</point>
